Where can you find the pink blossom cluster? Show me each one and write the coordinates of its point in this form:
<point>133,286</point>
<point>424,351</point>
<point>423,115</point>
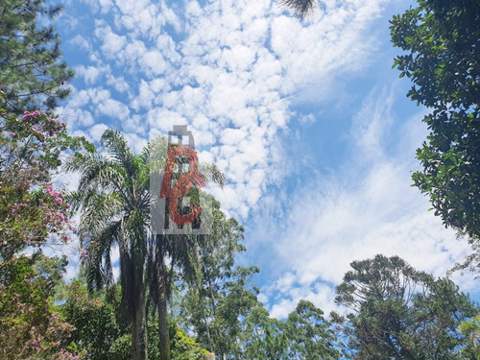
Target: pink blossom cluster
<point>57,217</point>
<point>56,195</point>
<point>66,355</point>
<point>29,115</point>
<point>42,127</point>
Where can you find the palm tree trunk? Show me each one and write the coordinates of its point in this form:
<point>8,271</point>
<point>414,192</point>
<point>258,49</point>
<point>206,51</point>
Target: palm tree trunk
<point>139,334</point>
<point>138,308</point>
<point>164,336</point>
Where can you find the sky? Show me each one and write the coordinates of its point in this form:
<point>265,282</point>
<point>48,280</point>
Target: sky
<point>307,120</point>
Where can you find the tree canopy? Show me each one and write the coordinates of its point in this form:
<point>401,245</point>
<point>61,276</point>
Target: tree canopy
<point>441,40</point>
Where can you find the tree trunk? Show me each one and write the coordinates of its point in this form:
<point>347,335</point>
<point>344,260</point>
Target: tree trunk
<point>139,334</point>
<point>137,306</point>
<point>163,333</point>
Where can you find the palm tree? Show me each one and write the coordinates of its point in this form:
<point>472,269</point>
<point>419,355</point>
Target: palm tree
<point>172,254</point>
<point>301,7</point>
<point>113,198</point>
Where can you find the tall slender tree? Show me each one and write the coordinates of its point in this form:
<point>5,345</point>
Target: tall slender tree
<point>113,199</point>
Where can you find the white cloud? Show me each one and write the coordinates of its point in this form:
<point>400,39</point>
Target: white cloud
<point>368,207</point>
<point>97,130</point>
<point>88,73</point>
<point>229,78</point>
<point>81,42</point>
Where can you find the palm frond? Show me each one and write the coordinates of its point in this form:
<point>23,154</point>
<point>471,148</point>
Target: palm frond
<point>99,209</point>
<point>213,173</point>
<point>97,263</point>
<point>301,7</point>
<point>118,148</point>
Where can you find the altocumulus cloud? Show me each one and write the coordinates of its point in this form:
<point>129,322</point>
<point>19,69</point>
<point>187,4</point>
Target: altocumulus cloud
<point>228,69</point>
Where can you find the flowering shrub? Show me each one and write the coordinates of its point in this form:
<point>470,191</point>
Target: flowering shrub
<point>30,325</point>
<point>30,208</point>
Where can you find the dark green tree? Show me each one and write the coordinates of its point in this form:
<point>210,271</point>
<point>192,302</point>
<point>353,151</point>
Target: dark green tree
<point>94,319</point>
<point>113,199</point>
<point>441,40</point>
<point>401,313</point>
<point>309,335</point>
<point>471,330</point>
<point>32,75</point>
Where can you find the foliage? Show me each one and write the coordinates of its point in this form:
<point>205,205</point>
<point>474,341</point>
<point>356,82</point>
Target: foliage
<point>182,346</point>
<point>213,304</point>
<point>30,149</point>
<point>113,196</point>
<point>471,330</point>
<point>399,312</point>
<point>309,335</point>
<point>96,330</point>
<point>30,326</point>
<point>31,73</point>
<point>442,44</point>
<point>222,309</point>
<point>98,334</point>
<point>262,337</point>
<point>114,199</point>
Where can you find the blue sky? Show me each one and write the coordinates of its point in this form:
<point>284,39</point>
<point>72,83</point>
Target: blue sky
<point>307,120</point>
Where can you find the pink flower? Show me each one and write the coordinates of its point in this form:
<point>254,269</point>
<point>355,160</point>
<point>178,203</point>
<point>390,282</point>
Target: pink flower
<point>29,115</point>
<point>49,189</point>
<point>57,196</point>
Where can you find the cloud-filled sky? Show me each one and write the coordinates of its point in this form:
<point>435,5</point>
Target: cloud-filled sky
<point>306,119</point>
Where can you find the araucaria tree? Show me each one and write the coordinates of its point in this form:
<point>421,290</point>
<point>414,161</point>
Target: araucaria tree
<point>442,44</point>
<point>398,312</point>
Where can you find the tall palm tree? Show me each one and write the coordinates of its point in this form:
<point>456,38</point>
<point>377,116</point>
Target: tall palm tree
<point>172,254</point>
<point>113,198</point>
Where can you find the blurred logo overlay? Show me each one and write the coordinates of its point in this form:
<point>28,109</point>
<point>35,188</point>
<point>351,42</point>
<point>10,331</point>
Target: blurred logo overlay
<point>178,206</point>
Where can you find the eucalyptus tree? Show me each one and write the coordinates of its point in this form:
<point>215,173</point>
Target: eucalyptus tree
<point>219,296</point>
<point>223,309</point>
<point>310,335</point>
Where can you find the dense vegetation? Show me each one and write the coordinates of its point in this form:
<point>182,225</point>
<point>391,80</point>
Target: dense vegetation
<point>185,297</point>
<point>442,44</point>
